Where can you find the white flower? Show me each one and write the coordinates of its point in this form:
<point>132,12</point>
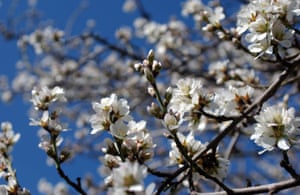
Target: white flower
<point>119,129</point>
<point>48,123</point>
<point>201,12</point>
<point>258,29</point>
<point>109,111</point>
<point>47,188</point>
<point>185,105</point>
<point>214,17</point>
<point>43,39</point>
<point>244,18</point>
<point>196,120</point>
<point>138,136</point>
<point>111,161</point>
<point>124,34</point>
<point>45,141</point>
<point>42,97</point>
<point>108,163</point>
<point>218,69</point>
<point>172,121</point>
<point>138,141</point>
<point>99,122</point>
<point>182,95</point>
<point>282,34</point>
<point>231,102</point>
<point>129,6</point>
<point>191,145</point>
<point>8,137</point>
<point>128,177</point>
<point>192,7</point>
<point>222,104</point>
<point>246,75</point>
<point>276,127</point>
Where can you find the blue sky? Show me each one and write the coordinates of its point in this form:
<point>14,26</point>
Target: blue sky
<point>28,159</point>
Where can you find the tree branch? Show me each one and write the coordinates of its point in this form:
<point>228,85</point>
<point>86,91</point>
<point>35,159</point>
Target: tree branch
<point>271,188</point>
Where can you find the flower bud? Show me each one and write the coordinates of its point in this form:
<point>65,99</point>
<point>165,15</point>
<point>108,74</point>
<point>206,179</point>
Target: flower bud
<point>154,110</point>
<point>150,56</point>
<point>138,67</point>
<point>168,95</point>
<point>151,91</point>
<point>171,121</point>
<point>156,66</point>
<point>64,155</point>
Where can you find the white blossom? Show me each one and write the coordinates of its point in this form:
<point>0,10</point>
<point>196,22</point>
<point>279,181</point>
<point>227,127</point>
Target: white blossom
<point>231,101</point>
<point>187,101</point>
<point>43,39</point>
<point>129,6</point>
<point>276,127</point>
<point>47,188</point>
<point>182,95</point>
<point>48,123</point>
<point>119,129</point>
<point>124,34</point>
<point>172,120</point>
<point>109,111</point>
<point>42,97</point>
<point>128,177</point>
<point>8,137</point>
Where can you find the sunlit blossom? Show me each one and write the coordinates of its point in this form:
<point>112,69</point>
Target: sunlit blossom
<point>277,127</point>
<point>42,97</point>
<point>128,177</point>
<point>268,24</point>
<point>109,111</point>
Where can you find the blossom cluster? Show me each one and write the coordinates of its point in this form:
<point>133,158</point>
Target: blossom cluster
<point>132,143</point>
<point>189,97</point>
<point>165,36</point>
<point>42,99</point>
<point>204,14</point>
<point>8,138</point>
<point>270,27</point>
<point>192,103</point>
<point>228,73</point>
<point>218,90</point>
<point>47,188</point>
<point>43,40</point>
<point>128,178</point>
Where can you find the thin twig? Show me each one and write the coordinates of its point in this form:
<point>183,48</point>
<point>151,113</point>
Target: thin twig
<point>285,163</point>
<point>76,186</point>
<point>113,47</point>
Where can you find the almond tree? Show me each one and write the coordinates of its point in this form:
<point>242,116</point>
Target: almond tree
<point>206,103</point>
